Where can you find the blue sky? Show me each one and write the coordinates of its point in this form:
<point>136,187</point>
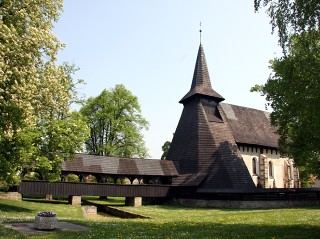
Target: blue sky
<point>151,46</point>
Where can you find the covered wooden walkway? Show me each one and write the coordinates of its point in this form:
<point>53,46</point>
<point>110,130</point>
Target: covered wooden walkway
<point>93,189</point>
<point>74,190</point>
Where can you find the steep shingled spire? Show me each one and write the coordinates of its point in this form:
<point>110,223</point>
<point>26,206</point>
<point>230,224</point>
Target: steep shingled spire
<point>201,80</point>
<point>203,148</point>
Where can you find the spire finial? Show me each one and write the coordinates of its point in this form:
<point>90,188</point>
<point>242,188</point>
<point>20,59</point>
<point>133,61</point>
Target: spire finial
<point>200,32</point>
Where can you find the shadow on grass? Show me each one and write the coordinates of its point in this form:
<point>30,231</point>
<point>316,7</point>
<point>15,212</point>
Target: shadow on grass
<point>110,201</point>
<point>191,208</point>
<point>10,208</point>
<point>37,200</point>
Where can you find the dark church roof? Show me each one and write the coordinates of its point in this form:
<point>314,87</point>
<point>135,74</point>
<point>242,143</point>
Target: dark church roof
<point>250,126</point>
<point>203,144</point>
<point>119,166</point>
<point>201,83</point>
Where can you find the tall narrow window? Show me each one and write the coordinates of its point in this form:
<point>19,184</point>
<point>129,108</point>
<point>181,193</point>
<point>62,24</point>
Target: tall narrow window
<point>254,166</point>
<point>270,170</point>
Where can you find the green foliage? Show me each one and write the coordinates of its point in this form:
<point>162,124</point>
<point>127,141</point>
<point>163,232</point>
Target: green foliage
<point>293,88</point>
<point>55,141</point>
<point>4,187</point>
<point>115,122</point>
<point>72,178</point>
<point>291,17</point>
<point>293,92</point>
<point>31,176</point>
<point>165,148</point>
<point>37,129</point>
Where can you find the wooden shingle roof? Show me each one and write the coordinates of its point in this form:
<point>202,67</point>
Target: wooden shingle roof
<point>250,126</point>
<point>119,166</point>
<point>201,83</point>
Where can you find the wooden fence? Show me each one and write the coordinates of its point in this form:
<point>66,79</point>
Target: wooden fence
<point>157,190</point>
<point>93,189</point>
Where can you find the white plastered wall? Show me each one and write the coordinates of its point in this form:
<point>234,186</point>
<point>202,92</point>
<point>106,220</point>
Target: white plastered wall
<point>279,165</point>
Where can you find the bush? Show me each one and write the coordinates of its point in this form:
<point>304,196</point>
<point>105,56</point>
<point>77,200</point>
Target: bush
<point>72,178</point>
<point>4,186</point>
<point>31,176</point>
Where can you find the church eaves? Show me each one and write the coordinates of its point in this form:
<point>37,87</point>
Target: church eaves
<point>201,83</point>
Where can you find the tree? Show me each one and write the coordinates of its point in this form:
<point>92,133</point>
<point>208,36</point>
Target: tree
<point>165,148</point>
<point>35,92</point>
<point>115,122</point>
<point>291,17</point>
<point>293,87</point>
<point>293,92</point>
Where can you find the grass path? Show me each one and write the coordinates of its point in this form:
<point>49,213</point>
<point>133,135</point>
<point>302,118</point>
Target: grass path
<point>170,222</point>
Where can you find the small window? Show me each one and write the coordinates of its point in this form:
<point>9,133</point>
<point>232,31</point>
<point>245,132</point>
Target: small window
<point>270,170</point>
<point>254,166</point>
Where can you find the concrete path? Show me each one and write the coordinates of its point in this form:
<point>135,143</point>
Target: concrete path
<point>28,228</point>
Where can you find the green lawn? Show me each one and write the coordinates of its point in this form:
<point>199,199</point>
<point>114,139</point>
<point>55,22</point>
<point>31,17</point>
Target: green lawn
<point>169,222</point>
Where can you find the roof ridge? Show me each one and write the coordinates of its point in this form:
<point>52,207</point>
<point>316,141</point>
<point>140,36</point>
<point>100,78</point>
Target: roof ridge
<point>241,106</point>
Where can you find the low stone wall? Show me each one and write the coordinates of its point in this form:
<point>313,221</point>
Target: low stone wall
<point>115,211</point>
<point>234,204</point>
<point>12,196</point>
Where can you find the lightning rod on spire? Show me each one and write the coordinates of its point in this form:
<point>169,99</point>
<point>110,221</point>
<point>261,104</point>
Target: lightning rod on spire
<point>200,32</point>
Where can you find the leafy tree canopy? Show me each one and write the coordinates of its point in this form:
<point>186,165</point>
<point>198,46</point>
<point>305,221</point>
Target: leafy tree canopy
<point>37,128</point>
<point>165,149</point>
<point>291,17</point>
<point>293,92</point>
<point>293,88</point>
<point>115,122</point>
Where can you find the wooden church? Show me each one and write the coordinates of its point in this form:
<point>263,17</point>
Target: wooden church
<point>219,151</point>
<point>222,146</point>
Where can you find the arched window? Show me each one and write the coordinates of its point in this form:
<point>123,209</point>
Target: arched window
<point>270,170</point>
<point>254,166</point>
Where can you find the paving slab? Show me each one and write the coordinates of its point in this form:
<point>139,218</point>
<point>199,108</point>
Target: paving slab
<point>28,228</point>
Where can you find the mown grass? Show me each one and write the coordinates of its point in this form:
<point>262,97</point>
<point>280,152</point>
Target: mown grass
<point>169,222</point>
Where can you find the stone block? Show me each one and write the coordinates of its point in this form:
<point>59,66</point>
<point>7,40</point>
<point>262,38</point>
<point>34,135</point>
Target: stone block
<point>89,210</point>
<point>75,200</point>
<point>134,201</point>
